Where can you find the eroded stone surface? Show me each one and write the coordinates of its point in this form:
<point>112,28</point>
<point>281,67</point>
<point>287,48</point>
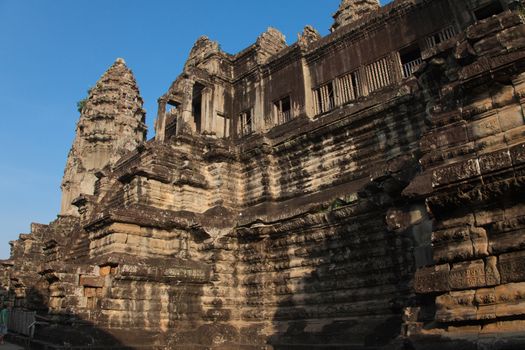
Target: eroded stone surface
<point>363,190</point>
<point>111,123</point>
<point>351,10</point>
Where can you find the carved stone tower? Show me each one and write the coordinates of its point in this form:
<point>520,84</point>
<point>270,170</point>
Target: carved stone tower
<point>351,10</point>
<point>112,122</point>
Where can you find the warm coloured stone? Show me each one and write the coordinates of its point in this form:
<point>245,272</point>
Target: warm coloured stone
<point>468,275</point>
<point>363,190</point>
<point>432,279</point>
<point>456,306</point>
<point>111,123</point>
<point>459,243</point>
<point>492,276</point>
<point>512,267</point>
<point>92,281</point>
<point>105,270</point>
<point>351,10</point>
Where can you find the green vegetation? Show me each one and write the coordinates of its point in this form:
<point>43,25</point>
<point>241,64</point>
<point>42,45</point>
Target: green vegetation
<point>82,103</point>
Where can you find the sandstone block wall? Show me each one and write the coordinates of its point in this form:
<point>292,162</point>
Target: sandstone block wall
<point>391,221</point>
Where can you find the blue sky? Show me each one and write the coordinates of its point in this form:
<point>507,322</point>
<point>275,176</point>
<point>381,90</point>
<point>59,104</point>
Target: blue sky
<point>52,51</point>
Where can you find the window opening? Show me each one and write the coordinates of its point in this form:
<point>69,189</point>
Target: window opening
<point>171,107</point>
<point>222,126</point>
<point>488,11</point>
<point>324,99</point>
<point>197,105</point>
<point>246,122</point>
<point>349,87</point>
<point>171,117</point>
<point>410,60</point>
<point>283,110</point>
<point>356,84</point>
<point>439,37</point>
<point>378,74</point>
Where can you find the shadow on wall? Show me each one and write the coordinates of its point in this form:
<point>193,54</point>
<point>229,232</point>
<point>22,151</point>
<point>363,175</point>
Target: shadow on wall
<point>364,310</point>
<point>64,331</point>
<point>355,293</point>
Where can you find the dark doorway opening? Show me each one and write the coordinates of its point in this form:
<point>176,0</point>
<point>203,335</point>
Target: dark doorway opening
<point>172,111</point>
<point>196,106</point>
<point>410,59</point>
<point>488,10</point>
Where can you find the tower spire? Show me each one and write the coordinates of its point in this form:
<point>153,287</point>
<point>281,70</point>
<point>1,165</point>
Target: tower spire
<point>111,123</point>
<point>351,10</point>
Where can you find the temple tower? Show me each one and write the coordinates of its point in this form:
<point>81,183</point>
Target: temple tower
<point>351,10</point>
<point>112,122</point>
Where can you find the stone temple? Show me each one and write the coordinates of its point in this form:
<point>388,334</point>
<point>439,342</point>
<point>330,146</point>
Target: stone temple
<point>362,190</point>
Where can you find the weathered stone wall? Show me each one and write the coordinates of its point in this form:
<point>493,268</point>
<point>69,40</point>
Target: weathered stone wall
<point>111,124</point>
<point>351,10</point>
<point>393,221</point>
<point>473,156</point>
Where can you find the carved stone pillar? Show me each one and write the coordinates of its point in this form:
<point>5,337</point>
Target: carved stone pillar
<point>364,81</point>
<point>308,94</point>
<point>160,123</point>
<point>261,121</point>
<point>206,109</point>
<point>186,106</point>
